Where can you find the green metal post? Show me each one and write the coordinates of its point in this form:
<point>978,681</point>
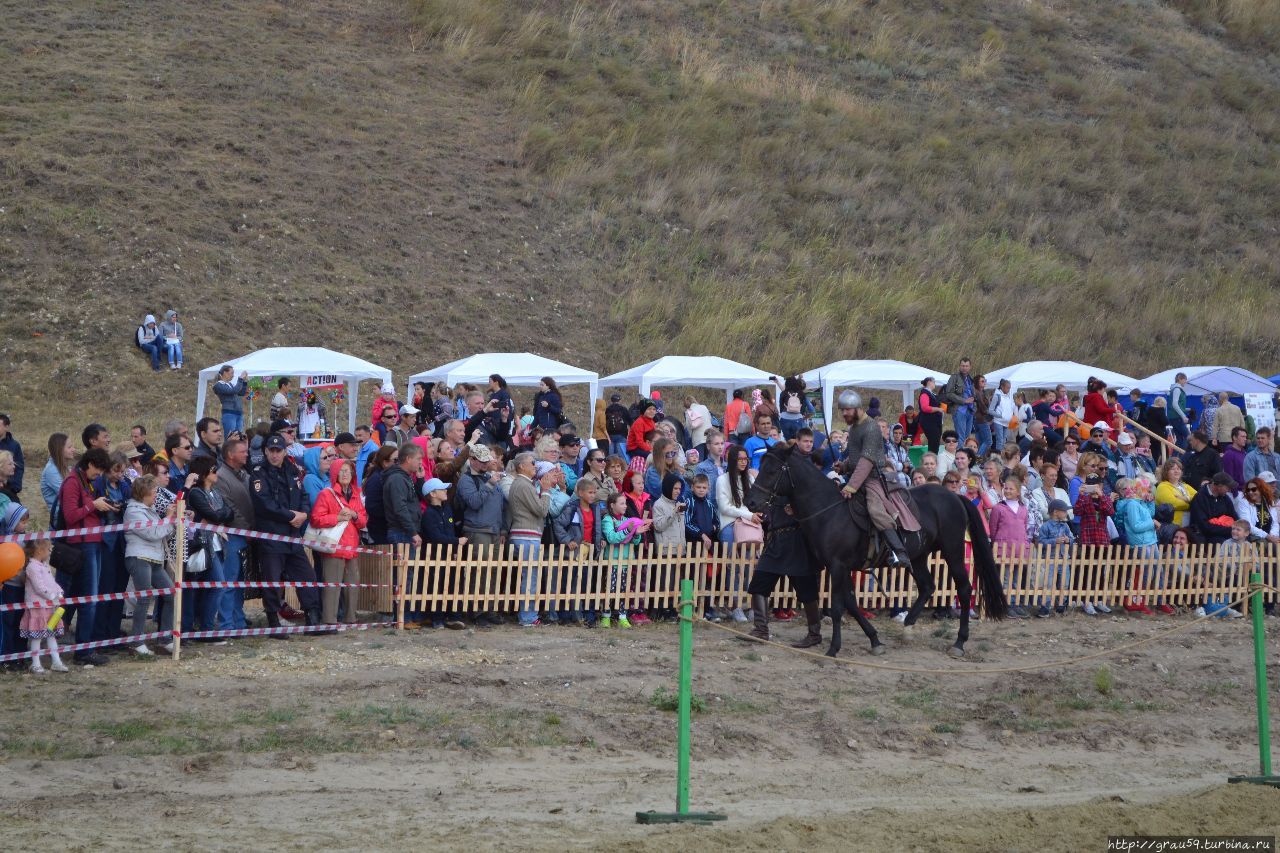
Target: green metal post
<point>685,708</point>
<point>1260,674</point>
<point>1260,680</point>
<point>686,696</point>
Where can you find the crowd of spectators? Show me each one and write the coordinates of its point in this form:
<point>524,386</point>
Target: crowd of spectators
<point>463,467</point>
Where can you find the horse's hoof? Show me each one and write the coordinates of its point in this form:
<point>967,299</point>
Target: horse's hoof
<point>956,652</point>
<point>832,652</point>
<point>908,631</point>
<point>877,651</point>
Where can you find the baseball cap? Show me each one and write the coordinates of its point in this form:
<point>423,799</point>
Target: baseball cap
<point>481,453</point>
<point>276,442</point>
<point>435,484</point>
<point>345,438</point>
<point>407,409</point>
<point>1267,477</point>
<point>1124,439</point>
<point>569,440</point>
<point>281,423</point>
<point>541,469</point>
<point>1058,505</point>
<point>1101,425</point>
<point>1222,478</point>
<point>615,398</point>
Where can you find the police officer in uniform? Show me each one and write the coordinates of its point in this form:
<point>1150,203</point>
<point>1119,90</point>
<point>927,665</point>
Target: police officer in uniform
<point>863,460</point>
<point>280,506</point>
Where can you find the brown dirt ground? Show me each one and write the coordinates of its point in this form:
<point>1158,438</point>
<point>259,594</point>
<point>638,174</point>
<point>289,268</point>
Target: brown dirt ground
<point>548,738</point>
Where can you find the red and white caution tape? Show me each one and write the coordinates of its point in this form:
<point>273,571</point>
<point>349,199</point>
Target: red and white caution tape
<point>278,584</point>
<point>295,629</point>
<point>83,531</point>
<point>191,525</point>
<point>86,599</point>
<point>97,644</point>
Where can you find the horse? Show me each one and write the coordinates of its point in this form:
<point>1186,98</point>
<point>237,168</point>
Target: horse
<point>840,542</point>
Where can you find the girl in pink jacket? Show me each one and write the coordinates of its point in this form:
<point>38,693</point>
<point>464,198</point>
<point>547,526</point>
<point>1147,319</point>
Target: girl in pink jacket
<point>1008,530</point>
<point>41,587</point>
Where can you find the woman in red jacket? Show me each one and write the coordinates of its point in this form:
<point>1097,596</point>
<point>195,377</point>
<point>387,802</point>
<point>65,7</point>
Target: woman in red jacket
<point>1095,403</point>
<point>341,502</point>
<point>80,505</point>
<point>636,441</point>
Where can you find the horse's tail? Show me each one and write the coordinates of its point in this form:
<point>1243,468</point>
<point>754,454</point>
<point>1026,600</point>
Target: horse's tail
<point>993,599</point>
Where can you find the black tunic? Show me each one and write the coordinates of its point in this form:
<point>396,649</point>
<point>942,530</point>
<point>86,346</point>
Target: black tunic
<point>785,551</point>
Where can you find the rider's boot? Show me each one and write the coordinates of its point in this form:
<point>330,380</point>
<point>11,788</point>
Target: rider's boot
<point>760,613</point>
<point>812,615</point>
<point>898,555</point>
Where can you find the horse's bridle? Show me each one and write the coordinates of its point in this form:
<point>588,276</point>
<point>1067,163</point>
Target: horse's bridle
<point>771,494</point>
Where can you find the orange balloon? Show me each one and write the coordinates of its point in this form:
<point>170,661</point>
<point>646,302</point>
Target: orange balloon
<point>12,559</point>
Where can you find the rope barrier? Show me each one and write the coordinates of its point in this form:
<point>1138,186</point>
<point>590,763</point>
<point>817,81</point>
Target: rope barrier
<point>275,584</point>
<point>284,629</point>
<point>85,599</point>
<point>84,647</point>
<point>742,635</point>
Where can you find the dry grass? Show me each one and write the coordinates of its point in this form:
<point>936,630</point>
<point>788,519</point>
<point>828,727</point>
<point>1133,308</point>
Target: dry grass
<point>782,181</point>
<point>789,182</point>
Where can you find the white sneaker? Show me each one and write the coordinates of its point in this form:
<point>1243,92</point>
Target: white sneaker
<point>739,616</point>
<point>141,650</point>
<point>1102,608</point>
<point>58,666</point>
<point>36,667</point>
<point>1089,609</point>
<point>1231,613</point>
<point>901,618</point>
<point>1200,612</point>
<point>167,648</point>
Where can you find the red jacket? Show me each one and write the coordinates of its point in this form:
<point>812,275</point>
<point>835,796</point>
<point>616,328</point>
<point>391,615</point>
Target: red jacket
<point>328,504</point>
<point>1096,409</point>
<point>635,437</point>
<point>76,500</point>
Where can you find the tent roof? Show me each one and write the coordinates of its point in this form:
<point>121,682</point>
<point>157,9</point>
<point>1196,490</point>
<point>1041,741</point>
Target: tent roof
<point>1048,374</point>
<point>872,373</point>
<point>1209,380</point>
<point>518,368</point>
<point>704,371</point>
<point>300,361</point>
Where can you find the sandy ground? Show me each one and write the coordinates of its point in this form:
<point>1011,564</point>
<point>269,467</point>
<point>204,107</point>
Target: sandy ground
<point>553,738</point>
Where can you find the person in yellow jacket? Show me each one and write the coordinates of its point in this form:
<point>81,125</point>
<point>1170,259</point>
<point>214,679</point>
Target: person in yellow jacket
<point>1171,490</point>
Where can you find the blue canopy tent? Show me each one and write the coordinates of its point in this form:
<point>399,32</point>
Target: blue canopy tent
<point>1236,381</point>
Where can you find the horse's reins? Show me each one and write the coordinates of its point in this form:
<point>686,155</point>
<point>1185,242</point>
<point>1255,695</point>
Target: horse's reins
<point>786,466</point>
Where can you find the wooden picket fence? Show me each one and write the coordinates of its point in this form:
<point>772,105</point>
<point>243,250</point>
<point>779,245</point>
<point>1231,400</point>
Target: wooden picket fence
<point>487,578</point>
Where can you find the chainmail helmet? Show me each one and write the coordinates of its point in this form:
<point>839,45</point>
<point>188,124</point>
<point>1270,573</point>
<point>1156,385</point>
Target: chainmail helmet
<point>849,400</point>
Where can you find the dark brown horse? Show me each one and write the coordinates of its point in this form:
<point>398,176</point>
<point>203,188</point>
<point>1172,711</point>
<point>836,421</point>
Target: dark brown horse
<point>840,542</point>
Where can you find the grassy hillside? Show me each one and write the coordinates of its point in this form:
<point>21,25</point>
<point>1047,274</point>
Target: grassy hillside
<point>794,180</point>
<point>783,181</point>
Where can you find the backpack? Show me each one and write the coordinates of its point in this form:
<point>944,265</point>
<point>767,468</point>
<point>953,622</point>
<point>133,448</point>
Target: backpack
<point>615,422</point>
<point>794,406</point>
<point>744,423</point>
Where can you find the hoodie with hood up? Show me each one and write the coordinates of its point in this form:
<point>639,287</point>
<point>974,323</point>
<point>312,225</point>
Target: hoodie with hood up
<point>668,522</point>
<point>313,482</point>
<point>331,501</point>
<point>148,332</point>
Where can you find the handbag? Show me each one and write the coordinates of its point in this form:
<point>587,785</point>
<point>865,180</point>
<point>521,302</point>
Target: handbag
<point>325,539</point>
<point>744,423</point>
<point>198,563</point>
<point>746,530</point>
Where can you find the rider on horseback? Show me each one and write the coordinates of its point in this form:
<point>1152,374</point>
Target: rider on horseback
<point>863,460</point>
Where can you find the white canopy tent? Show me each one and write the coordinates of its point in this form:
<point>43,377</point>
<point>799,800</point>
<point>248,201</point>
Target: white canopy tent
<point>885,373</point>
<point>517,368</point>
<point>697,371</point>
<point>312,366</point>
<point>1201,380</point>
<point>1050,374</point>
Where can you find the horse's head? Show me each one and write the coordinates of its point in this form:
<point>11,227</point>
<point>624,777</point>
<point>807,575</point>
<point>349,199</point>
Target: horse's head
<point>773,480</point>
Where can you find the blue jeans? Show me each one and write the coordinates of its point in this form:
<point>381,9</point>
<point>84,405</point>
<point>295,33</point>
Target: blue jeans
<point>789,427</point>
<point>962,420</point>
<point>983,432</point>
<point>86,583</point>
<point>10,641</point>
<point>527,550</point>
<point>232,422</point>
<point>112,577</point>
<point>153,349</point>
<point>1180,431</point>
<point>212,600</point>
<point>618,446</point>
<point>231,612</point>
<point>175,352</point>
<point>999,433</point>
